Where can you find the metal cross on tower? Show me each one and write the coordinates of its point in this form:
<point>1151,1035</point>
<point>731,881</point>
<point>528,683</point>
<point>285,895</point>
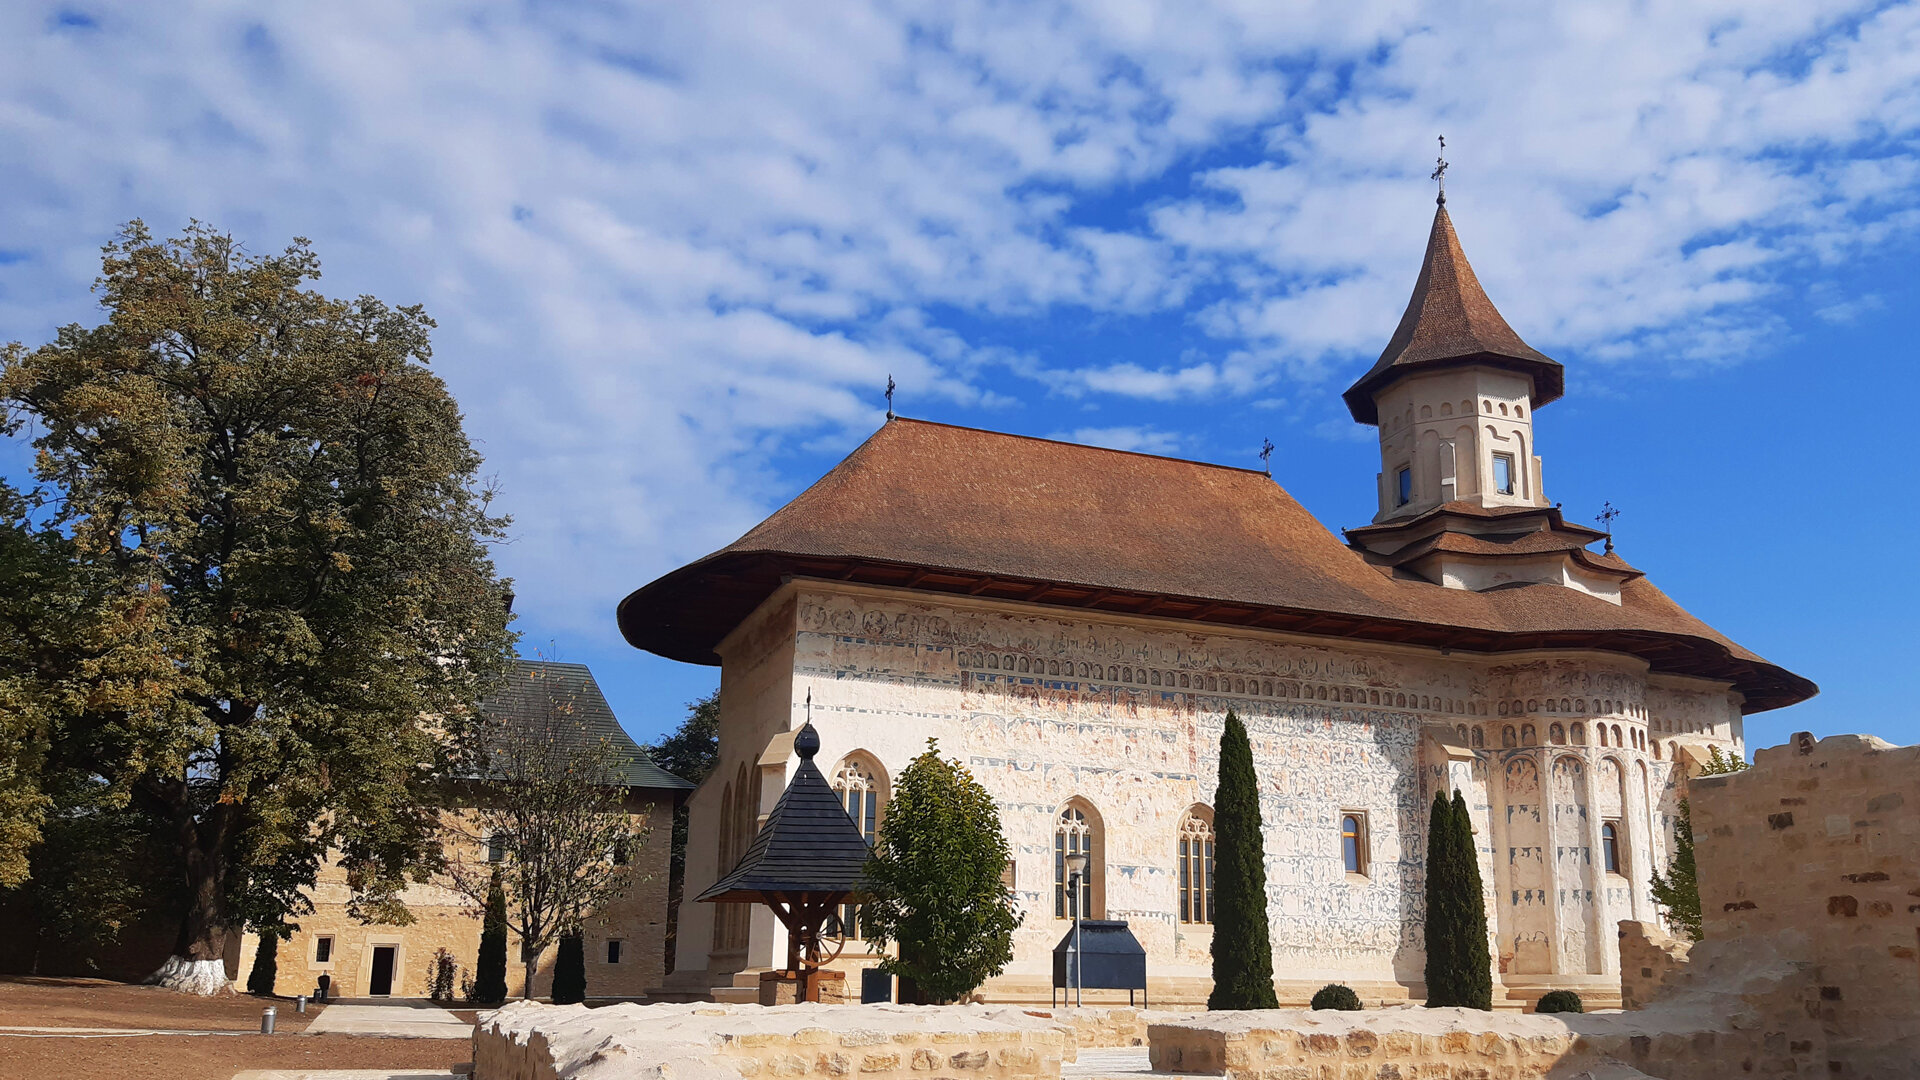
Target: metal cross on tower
<point>1608,512</point>
<point>1440,171</point>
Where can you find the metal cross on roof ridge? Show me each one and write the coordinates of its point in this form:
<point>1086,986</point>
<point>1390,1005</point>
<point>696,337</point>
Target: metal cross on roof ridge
<point>889,416</point>
<point>1440,171</point>
<point>1266,455</point>
<point>1608,512</point>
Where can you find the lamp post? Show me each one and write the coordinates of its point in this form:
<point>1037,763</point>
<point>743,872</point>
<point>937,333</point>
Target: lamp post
<point>1076,873</point>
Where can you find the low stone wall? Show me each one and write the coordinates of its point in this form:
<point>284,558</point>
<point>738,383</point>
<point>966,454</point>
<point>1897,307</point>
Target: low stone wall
<point>1650,958</point>
<point>1746,1009</point>
<point>526,1041</point>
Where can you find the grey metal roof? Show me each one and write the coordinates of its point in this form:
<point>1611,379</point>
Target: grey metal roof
<point>533,686</point>
<point>808,845</point>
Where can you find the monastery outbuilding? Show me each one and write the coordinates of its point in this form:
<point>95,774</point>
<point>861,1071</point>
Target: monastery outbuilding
<point>1074,623</point>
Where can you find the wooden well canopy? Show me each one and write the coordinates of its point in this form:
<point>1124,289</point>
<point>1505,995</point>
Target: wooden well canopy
<point>807,860</point>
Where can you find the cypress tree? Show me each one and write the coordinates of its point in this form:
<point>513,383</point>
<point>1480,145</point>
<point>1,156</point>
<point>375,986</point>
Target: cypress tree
<point>1242,953</point>
<point>570,970</point>
<point>1445,985</point>
<point>266,965</point>
<point>1476,961</point>
<point>490,973</point>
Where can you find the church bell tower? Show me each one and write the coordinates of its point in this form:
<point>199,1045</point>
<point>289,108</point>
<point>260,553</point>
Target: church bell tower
<point>1453,395</point>
<point>1460,486</point>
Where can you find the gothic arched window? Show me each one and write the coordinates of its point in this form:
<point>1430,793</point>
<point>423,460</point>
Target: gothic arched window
<point>1195,858</point>
<point>861,784</point>
<point>1077,832</point>
<point>1610,846</point>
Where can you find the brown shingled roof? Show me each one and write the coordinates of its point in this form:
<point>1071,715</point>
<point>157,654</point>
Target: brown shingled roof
<point>950,509</point>
<point>1449,321</point>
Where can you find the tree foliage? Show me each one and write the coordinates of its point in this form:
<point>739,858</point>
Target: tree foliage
<point>1459,968</point>
<point>490,969</point>
<point>271,562</point>
<point>549,795</point>
<point>690,753</point>
<point>937,881</point>
<point>1242,950</point>
<point>1678,890</point>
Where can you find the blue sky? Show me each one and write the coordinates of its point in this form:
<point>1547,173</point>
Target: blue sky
<point>675,250</point>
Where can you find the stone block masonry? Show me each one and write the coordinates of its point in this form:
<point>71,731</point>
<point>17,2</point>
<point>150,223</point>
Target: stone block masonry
<point>1822,839</point>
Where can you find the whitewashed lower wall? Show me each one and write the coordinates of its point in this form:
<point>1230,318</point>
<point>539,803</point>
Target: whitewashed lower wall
<point>1047,706</point>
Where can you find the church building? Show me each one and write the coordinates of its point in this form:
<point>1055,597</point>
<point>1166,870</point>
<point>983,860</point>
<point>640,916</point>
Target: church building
<point>1074,623</point>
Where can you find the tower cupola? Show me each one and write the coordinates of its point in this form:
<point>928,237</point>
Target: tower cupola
<point>1453,395</point>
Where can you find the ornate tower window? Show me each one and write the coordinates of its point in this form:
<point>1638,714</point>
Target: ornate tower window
<point>1403,487</point>
<point>1195,858</point>
<point>1503,473</point>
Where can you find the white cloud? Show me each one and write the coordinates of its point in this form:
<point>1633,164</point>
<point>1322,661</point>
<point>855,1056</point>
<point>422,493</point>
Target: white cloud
<point>1143,440</point>
<point>667,244</point>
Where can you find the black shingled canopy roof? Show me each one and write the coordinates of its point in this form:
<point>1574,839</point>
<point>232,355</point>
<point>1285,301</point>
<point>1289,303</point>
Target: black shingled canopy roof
<point>808,846</point>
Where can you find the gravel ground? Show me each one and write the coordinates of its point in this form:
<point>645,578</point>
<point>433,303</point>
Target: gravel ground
<point>29,1001</point>
<point>216,1057</point>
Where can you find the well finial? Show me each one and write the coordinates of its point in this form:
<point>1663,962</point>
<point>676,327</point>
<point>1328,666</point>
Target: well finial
<point>806,742</point>
<point>1440,171</point>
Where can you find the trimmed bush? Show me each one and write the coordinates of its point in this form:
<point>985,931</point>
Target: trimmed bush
<point>490,973</point>
<point>1559,1001</point>
<point>1337,997</point>
<point>1242,953</point>
<point>266,965</point>
<point>570,971</point>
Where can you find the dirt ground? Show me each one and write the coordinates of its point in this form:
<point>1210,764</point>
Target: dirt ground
<point>217,1057</point>
<point>32,1001</point>
<point>97,1003</point>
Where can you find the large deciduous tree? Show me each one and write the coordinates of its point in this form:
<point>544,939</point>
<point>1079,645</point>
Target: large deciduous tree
<point>272,565</point>
<point>937,876</point>
<point>548,801</point>
<point>1242,950</point>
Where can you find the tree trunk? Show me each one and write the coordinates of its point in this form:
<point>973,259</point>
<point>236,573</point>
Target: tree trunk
<point>198,964</point>
<point>530,964</point>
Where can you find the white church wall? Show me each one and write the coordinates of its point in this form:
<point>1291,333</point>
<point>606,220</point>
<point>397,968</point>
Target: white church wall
<point>1011,690</point>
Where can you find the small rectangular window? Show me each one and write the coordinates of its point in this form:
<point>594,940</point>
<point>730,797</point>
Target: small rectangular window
<point>1353,840</point>
<point>613,952</point>
<point>323,950</point>
<point>1503,473</point>
<point>497,848</point>
<point>1403,483</point>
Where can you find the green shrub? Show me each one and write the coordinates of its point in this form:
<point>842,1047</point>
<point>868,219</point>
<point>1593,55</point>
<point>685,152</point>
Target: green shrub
<point>1335,996</point>
<point>266,967</point>
<point>570,971</point>
<point>1559,1001</point>
<point>1242,952</point>
<point>490,975</point>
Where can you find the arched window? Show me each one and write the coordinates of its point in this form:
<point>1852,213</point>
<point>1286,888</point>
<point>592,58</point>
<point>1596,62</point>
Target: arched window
<point>1610,846</point>
<point>1353,841</point>
<point>1195,857</point>
<point>861,784</point>
<point>1077,832</point>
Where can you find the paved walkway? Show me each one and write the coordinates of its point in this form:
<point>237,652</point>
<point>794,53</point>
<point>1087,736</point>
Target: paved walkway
<point>1114,1063</point>
<point>403,1019</point>
<point>342,1074</point>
